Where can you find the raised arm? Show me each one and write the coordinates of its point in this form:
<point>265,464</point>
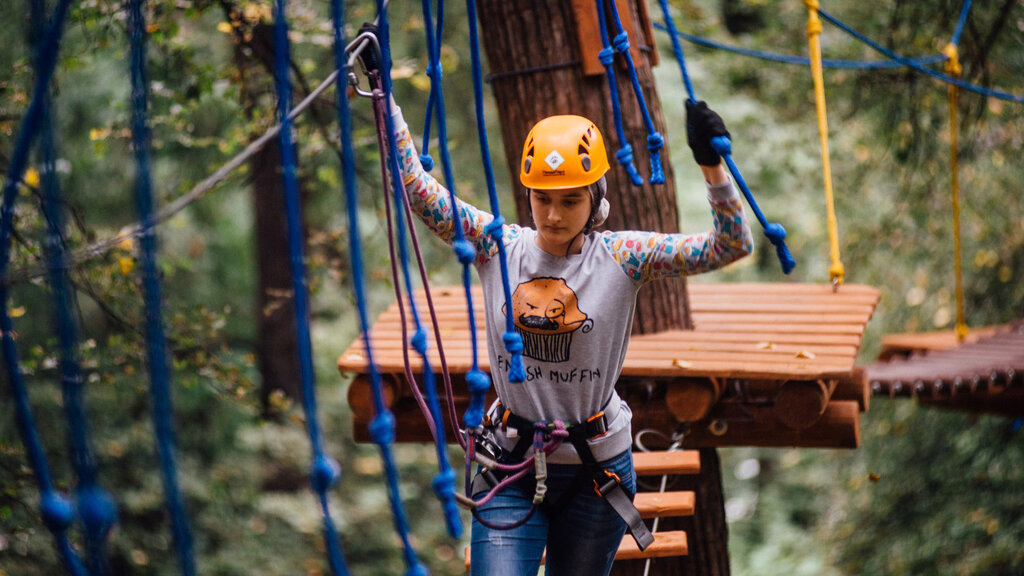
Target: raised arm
<point>432,202</point>
<point>646,256</point>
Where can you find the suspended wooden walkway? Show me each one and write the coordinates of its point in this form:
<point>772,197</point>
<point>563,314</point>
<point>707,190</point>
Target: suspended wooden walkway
<point>766,365</point>
<point>984,373</point>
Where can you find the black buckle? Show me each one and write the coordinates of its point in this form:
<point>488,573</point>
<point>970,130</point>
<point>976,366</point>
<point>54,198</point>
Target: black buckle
<point>597,425</point>
<point>607,485</point>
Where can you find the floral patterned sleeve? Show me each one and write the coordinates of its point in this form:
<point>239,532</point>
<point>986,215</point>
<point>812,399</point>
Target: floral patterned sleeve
<point>646,256</point>
<point>432,202</point>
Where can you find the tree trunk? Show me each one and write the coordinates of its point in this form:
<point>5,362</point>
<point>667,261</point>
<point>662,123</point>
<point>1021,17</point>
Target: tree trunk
<point>536,71</point>
<point>277,340</point>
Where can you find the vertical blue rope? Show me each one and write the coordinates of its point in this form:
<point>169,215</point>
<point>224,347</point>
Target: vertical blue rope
<point>444,482</point>
<point>774,231</point>
<point>159,370</point>
<point>55,508</point>
<point>325,470</point>
<point>434,73</point>
<point>96,508</point>
<point>607,57</point>
<point>655,142</point>
<point>960,23</point>
<point>479,384</point>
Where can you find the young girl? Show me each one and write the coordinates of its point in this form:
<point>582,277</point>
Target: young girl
<point>574,292</point>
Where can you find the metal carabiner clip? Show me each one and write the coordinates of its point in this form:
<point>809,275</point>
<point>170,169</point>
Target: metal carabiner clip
<point>365,40</point>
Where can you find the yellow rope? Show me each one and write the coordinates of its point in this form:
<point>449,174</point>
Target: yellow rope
<point>953,68</point>
<point>836,270</point>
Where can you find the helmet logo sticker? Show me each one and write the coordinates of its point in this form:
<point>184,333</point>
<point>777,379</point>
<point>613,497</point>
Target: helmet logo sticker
<point>554,160</point>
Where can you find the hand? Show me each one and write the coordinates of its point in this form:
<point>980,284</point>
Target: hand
<point>703,124</point>
<point>368,55</point>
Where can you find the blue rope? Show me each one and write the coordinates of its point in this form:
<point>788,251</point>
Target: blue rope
<point>964,10</point>
<point>444,482</point>
<point>775,232</point>
<point>655,141</point>
<point>56,509</point>
<point>787,58</point>
<point>434,72</point>
<point>513,341</point>
<point>159,373</point>
<point>607,57</point>
<point>325,470</point>
<point>916,66</point>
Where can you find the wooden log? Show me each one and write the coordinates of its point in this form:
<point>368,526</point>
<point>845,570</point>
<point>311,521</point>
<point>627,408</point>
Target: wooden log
<point>799,404</point>
<point>838,427</point>
<point>690,399</point>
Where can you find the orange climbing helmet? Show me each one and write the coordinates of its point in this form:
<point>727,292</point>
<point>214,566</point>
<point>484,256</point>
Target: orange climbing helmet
<point>563,152</point>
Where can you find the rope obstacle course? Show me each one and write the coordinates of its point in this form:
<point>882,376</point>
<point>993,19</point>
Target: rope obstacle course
<point>57,511</point>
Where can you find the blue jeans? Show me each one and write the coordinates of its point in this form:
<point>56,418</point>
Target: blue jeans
<point>581,534</point>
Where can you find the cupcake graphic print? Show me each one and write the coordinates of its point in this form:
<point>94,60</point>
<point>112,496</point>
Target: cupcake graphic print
<point>547,314</point>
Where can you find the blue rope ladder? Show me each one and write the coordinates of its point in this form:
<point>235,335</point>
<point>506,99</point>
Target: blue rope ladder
<point>325,471</point>
<point>655,141</point>
<point>92,505</point>
<point>607,56</point>
<point>775,232</point>
<point>495,229</point>
<point>444,482</point>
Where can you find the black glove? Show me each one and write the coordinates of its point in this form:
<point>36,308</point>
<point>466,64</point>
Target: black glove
<point>368,55</point>
<point>703,124</point>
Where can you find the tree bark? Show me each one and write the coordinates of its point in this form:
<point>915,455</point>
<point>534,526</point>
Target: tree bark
<point>277,340</point>
<point>534,58</point>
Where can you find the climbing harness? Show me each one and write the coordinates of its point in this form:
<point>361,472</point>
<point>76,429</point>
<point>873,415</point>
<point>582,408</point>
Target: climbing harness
<point>774,231</point>
<point>606,484</point>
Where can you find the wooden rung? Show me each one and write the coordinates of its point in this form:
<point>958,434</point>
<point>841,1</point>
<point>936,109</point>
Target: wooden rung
<point>665,544</point>
<point>661,463</point>
<point>665,504</point>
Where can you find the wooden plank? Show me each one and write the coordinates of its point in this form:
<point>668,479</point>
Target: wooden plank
<point>904,344</point>
<point>665,545</point>
<point>662,463</point>
<point>665,504</point>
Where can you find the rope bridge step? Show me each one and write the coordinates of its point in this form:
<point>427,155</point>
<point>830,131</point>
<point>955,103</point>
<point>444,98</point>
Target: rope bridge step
<point>665,504</point>
<point>665,544</point>
<point>662,463</point>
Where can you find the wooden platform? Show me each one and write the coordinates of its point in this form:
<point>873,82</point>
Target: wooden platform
<point>766,365</point>
<point>984,373</point>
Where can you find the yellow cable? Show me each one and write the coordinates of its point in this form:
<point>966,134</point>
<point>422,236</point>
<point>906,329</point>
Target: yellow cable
<point>836,270</point>
<point>953,68</point>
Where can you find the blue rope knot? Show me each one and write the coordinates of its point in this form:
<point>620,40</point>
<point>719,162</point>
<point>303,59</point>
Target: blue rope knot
<point>513,342</point>
<point>625,155</point>
<point>465,251</point>
<point>478,382</point>
<point>655,141</point>
<point>621,42</point>
<point>97,510</point>
<point>444,483</point>
<point>57,511</point>
<point>419,341</point>
<point>606,55</point>
<point>427,162</point>
<point>496,229</point>
<point>325,473</point>
<point>382,428</point>
<point>775,232</point>
<point>434,71</point>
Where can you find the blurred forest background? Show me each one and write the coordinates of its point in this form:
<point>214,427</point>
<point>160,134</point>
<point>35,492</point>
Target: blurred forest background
<point>928,492</point>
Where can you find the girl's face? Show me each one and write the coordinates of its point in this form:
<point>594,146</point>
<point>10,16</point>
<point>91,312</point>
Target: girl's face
<point>560,216</point>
